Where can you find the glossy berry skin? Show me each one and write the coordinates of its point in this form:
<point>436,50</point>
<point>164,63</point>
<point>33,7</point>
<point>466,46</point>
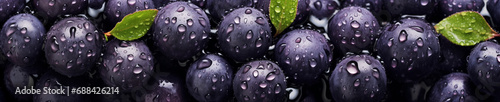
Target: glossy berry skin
<point>72,46</point>
<point>353,29</point>
<point>180,30</point>
<point>303,55</point>
<point>454,87</point>
<point>483,66</point>
<point>117,9</point>
<point>50,10</point>
<point>259,81</point>
<point>200,3</point>
<point>126,64</point>
<point>322,9</point>
<point>53,80</point>
<point>18,77</point>
<point>409,49</point>
<point>207,79</point>
<point>410,7</point>
<point>219,8</point>
<point>358,78</point>
<point>244,34</point>
<point>168,87</point>
<point>21,39</point>
<point>9,8</point>
<point>302,14</point>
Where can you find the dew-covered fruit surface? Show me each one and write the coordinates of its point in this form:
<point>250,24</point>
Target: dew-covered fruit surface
<point>358,78</point>
<point>208,79</point>
<point>259,81</point>
<point>21,39</point>
<point>126,64</point>
<point>55,80</point>
<point>50,10</point>
<point>244,34</point>
<point>483,66</point>
<point>446,8</point>
<point>322,9</point>
<point>220,8</point>
<point>303,55</point>
<point>454,87</point>
<point>409,49</point>
<point>169,87</point>
<point>181,30</point>
<point>72,46</point>
<point>353,29</point>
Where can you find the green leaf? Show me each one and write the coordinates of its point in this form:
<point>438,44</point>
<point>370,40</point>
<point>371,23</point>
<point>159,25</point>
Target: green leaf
<point>282,13</point>
<point>135,25</point>
<point>465,28</point>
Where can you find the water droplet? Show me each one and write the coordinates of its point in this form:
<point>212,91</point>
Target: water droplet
<point>72,32</point>
<point>394,63</point>
<point>54,45</point>
<point>131,2</point>
<point>277,89</point>
<point>202,21</point>
<point>165,38</point>
<point>287,61</point>
<point>190,22</point>
<point>237,49</point>
<point>137,69</point>
<point>429,51</point>
<point>192,35</point>
<point>260,21</point>
<point>255,73</point>
<point>23,30</point>
<point>317,5</point>
<point>498,58</point>
<point>249,34</point>
<point>69,64</point>
<point>230,28</point>
<point>117,13</point>
<point>214,78</point>
<point>130,57</point>
<point>246,68</point>
<point>12,28</point>
<point>356,83</point>
<point>243,85</point>
<point>263,84</point>
<point>312,63</point>
<point>355,24</point>
<point>258,43</point>
<point>119,59</point>
<point>27,39</point>
<point>181,28</point>
<point>205,63</point>
<point>270,76</point>
<point>376,73</point>
<point>390,42</point>
<point>174,20</point>
<point>424,2</point>
<point>52,2</point>
<point>420,42</point>
<point>180,9</point>
<point>237,20</point>
<point>248,11</point>
<point>298,40</point>
<point>352,67</point>
<point>418,29</point>
<point>402,36</point>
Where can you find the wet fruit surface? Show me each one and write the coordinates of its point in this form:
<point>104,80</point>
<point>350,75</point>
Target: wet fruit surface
<point>72,46</point>
<point>483,66</point>
<point>244,34</point>
<point>9,8</point>
<point>303,55</point>
<point>181,30</point>
<point>358,78</point>
<point>452,88</point>
<point>353,29</point>
<point>259,81</point>
<point>126,64</point>
<point>207,79</point>
<point>409,49</point>
<point>51,9</point>
<point>21,39</point>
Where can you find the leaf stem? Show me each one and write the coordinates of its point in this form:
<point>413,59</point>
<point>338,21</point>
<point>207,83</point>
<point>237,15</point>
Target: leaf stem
<point>107,34</point>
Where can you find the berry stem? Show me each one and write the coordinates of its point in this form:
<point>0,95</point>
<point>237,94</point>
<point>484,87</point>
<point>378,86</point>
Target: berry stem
<point>107,34</point>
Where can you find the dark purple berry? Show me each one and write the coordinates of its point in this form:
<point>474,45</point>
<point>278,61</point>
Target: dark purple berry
<point>219,8</point>
<point>483,65</point>
<point>409,49</point>
<point>244,34</point>
<point>454,56</point>
<point>446,8</point>
<point>54,80</point>
<point>72,46</point>
<point>303,55</point>
<point>454,87</point>
<point>169,87</point>
<point>21,39</point>
<point>259,81</point>
<point>181,30</point>
<point>17,77</point>
<point>97,4</point>
<point>322,9</point>
<point>353,29</point>
<point>126,64</point>
<point>207,79</point>
<point>358,78</point>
